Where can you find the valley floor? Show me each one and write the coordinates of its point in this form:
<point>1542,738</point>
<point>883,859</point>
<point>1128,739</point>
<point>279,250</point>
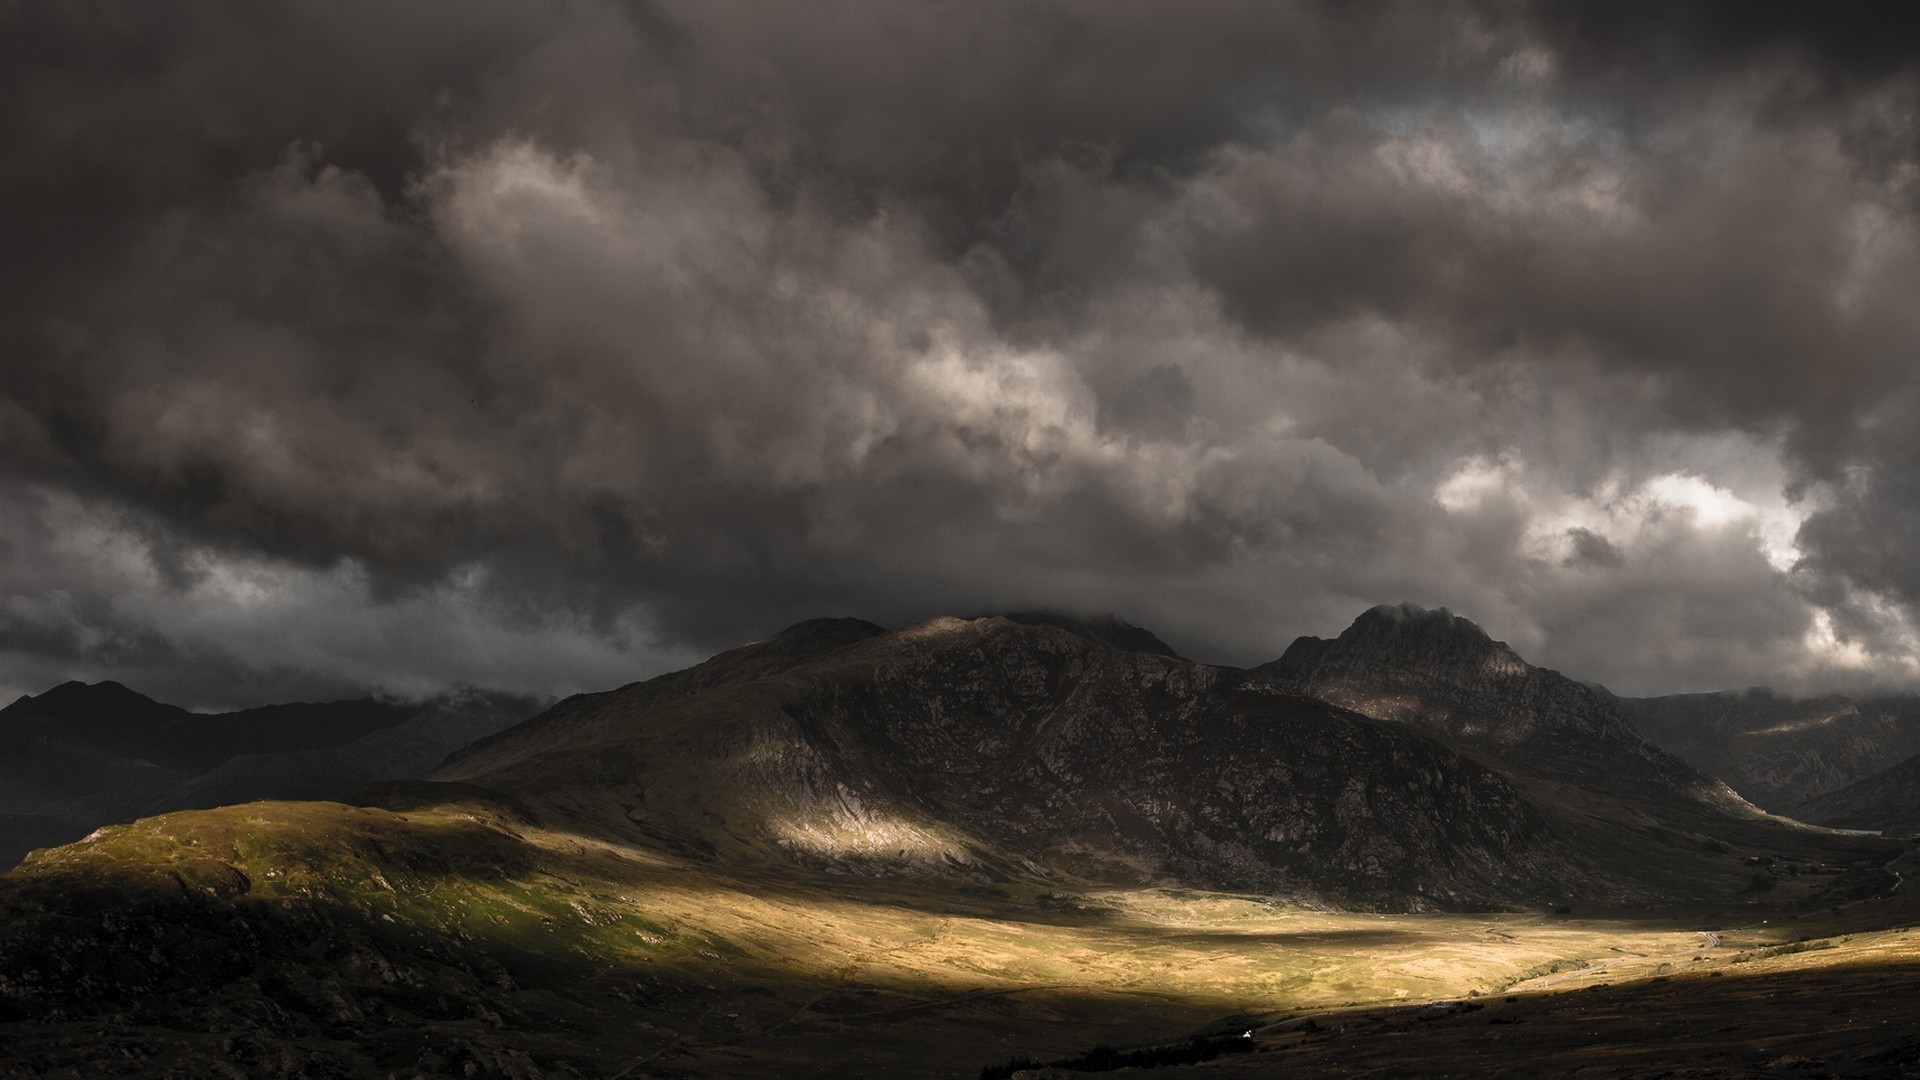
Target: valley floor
<point>476,946</point>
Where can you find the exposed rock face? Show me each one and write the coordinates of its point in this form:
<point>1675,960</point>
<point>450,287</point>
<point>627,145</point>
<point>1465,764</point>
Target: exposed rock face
<point>1886,801</point>
<point>1779,751</point>
<point>1133,765</point>
<point>990,746</point>
<point>1440,672</point>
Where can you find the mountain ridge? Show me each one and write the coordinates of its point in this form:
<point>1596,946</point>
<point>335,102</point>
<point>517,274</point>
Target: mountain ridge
<point>1445,674</point>
<point>1782,751</point>
<point>1888,801</point>
<point>82,755</point>
<point>843,834</point>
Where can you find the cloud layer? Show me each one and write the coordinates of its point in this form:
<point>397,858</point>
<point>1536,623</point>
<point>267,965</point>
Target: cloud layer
<point>546,345</point>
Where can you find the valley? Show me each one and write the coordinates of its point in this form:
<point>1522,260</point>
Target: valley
<point>459,935</point>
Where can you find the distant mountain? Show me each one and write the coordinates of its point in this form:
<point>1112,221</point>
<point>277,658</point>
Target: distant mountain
<point>412,748</point>
<point>80,756</point>
<point>21,833</point>
<point>1439,672</point>
<point>1887,801</point>
<point>1780,751</point>
<point>110,719</point>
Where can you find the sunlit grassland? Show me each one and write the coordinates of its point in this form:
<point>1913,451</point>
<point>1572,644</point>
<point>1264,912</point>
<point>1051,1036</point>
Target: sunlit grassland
<point>654,961</point>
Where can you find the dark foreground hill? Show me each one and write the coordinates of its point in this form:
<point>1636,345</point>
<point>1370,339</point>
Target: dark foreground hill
<point>845,851</point>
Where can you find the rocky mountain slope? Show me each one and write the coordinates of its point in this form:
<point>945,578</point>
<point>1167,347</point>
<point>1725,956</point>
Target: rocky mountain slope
<point>1887,801</point>
<point>986,747</point>
<point>1780,751</point>
<point>1441,673</point>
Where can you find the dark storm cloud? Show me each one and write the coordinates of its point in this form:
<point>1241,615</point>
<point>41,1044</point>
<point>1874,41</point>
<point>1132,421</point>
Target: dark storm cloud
<point>646,328</point>
<point>1843,44</point>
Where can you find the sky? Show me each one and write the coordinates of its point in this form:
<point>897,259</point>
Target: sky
<point>354,345</point>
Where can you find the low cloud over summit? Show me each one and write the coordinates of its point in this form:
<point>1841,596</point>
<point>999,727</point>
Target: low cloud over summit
<point>548,345</point>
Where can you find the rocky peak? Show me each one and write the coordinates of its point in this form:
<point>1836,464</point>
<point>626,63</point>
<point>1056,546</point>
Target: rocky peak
<point>1405,637</point>
<point>1436,670</point>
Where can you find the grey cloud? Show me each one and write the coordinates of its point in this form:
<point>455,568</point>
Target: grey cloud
<point>651,327</point>
<point>1592,549</point>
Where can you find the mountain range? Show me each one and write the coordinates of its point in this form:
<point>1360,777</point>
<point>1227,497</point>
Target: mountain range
<point>1778,751</point>
<point>645,863</point>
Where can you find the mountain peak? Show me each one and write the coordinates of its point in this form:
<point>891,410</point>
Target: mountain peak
<point>1439,671</point>
<point>72,699</point>
<point>1406,635</point>
<point>1411,621</point>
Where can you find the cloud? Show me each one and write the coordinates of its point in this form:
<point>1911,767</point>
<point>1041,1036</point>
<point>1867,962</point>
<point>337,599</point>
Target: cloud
<point>362,345</point>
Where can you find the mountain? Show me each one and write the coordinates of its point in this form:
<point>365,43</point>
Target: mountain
<point>1887,801</point>
<point>80,756</point>
<point>1439,672</point>
<point>989,747</point>
<point>1780,751</point>
<point>21,833</point>
<point>81,740</point>
<point>851,851</point>
<point>110,719</point>
<point>412,748</point>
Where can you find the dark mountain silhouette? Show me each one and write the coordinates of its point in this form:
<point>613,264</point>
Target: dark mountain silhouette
<point>21,833</point>
<point>409,749</point>
<point>80,756</point>
<point>110,719</point>
<point>1781,751</point>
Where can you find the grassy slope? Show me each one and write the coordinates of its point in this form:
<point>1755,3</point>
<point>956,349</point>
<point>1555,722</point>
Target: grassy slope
<point>1842,1008</point>
<point>318,937</point>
